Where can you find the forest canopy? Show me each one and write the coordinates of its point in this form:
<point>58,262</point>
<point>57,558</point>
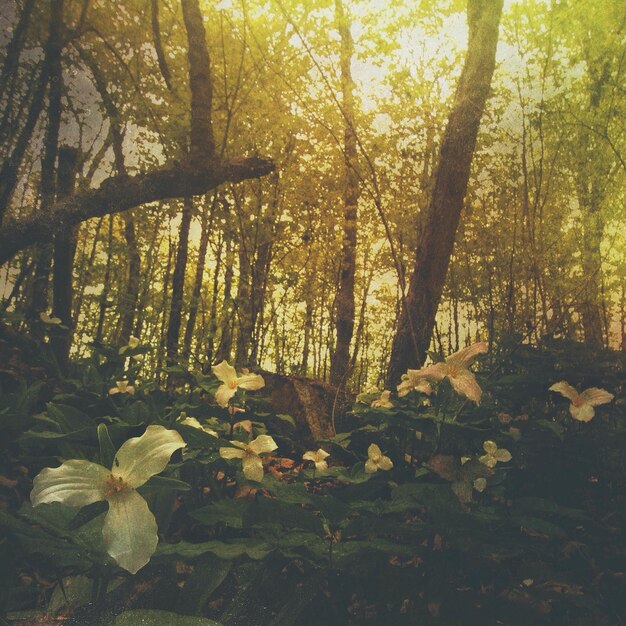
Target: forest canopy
<point>242,268</point>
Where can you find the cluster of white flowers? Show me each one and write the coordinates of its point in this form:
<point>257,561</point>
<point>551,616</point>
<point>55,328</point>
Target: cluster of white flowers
<point>130,529</point>
<point>455,368</point>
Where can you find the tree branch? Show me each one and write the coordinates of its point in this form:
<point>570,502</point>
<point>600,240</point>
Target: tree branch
<point>120,193</point>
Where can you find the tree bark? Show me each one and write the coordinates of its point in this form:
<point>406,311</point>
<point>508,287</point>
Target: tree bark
<point>228,308</point>
<point>44,253</point>
<point>64,252</point>
<point>14,47</point>
<point>344,301</point>
<point>207,223</point>
<point>178,284</point>
<point>441,221</point>
<point>120,193</point>
<point>593,173</point>
<point>158,45</point>
<point>130,297</point>
<point>202,143</point>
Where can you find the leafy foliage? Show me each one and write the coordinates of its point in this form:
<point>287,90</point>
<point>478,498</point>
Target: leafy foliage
<point>538,540</point>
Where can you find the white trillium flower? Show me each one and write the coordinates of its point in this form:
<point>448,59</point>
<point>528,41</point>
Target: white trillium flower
<point>494,454</point>
<point>581,404</point>
<point>456,369</point>
<point>133,342</point>
<point>480,484</point>
<point>130,530</point>
<point>121,386</point>
<point>384,401</point>
<point>249,453</point>
<point>231,382</point>
<point>46,318</point>
<point>376,460</point>
<point>410,383</point>
<point>194,423</point>
<point>319,458</point>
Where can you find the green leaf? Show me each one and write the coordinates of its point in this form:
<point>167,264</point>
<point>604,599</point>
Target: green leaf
<point>152,617</point>
<point>286,418</point>
<point>302,597</point>
<point>252,548</point>
<point>88,513</point>
<point>228,512</point>
<point>107,449</point>
<point>70,593</point>
<point>206,578</point>
<point>538,525</point>
<point>163,483</point>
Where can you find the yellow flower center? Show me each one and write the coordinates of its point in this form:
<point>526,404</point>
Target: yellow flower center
<point>232,384</point>
<point>114,485</point>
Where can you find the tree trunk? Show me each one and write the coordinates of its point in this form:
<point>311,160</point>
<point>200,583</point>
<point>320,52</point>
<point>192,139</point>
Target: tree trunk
<point>441,221</point>
<point>64,252</point>
<point>178,283</point>
<point>225,346</point>
<point>106,287</point>
<point>202,143</point>
<point>48,162</point>
<point>243,304</point>
<point>158,46</point>
<point>593,173</point>
<point>344,301</point>
<point>130,296</point>
<point>207,224</point>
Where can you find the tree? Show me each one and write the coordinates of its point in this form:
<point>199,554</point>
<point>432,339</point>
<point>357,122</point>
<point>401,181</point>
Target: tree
<point>344,300</point>
<point>201,171</point>
<point>439,226</point>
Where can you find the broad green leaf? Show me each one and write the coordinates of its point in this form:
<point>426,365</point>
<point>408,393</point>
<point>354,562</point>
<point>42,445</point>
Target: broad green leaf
<point>252,548</point>
<point>152,617</point>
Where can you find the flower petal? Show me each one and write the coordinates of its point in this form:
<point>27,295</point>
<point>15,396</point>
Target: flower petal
<point>464,383</point>
<point>503,455</point>
<point>253,467</point>
<point>224,393</point>
<point>405,387</point>
<point>583,413</point>
<point>191,421</point>
<point>465,357</point>
<point>232,453</point>
<point>565,389</point>
<point>490,446</point>
<point>488,460</point>
<point>434,372</point>
<point>321,466</point>
<point>75,483</point>
<point>224,372</point>
<point>130,530</point>
<point>385,463</point>
<point>370,467</point>
<point>251,382</point>
<point>373,452</point>
<point>263,443</point>
<point>423,386</point>
<point>142,457</point>
<point>480,484</point>
<point>595,396</point>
